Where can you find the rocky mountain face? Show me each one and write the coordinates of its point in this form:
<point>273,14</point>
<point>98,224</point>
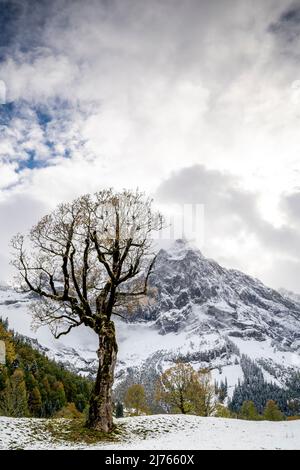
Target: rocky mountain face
<point>209,316</point>
<point>198,312</point>
<point>191,290</point>
<point>289,295</point>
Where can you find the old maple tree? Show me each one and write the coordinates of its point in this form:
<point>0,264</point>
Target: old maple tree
<point>87,261</point>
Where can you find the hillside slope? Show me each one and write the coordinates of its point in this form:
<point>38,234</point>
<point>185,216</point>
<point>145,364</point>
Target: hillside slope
<point>33,385</point>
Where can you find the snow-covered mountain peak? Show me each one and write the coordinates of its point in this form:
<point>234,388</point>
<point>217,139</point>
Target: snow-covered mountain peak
<point>181,248</point>
<point>293,296</point>
<point>199,312</point>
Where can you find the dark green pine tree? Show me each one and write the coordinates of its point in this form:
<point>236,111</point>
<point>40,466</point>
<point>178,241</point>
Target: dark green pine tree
<point>119,410</point>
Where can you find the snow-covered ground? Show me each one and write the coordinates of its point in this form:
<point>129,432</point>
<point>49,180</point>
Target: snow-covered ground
<point>161,432</point>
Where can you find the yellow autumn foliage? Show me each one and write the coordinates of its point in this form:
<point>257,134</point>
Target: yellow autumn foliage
<point>6,336</point>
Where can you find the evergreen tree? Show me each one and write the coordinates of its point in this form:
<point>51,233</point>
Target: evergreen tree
<point>35,402</point>
<point>256,389</point>
<point>13,399</point>
<point>3,377</point>
<point>32,385</point>
<point>294,406</point>
<point>248,411</point>
<point>293,393</point>
<point>80,401</point>
<point>19,393</point>
<point>7,405</point>
<point>272,412</point>
<point>30,381</point>
<point>119,410</point>
<point>221,390</point>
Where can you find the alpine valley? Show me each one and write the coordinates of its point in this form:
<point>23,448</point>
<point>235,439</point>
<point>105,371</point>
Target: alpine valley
<point>198,312</point>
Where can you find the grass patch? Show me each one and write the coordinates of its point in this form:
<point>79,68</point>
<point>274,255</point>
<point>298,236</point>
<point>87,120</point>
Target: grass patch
<point>75,430</point>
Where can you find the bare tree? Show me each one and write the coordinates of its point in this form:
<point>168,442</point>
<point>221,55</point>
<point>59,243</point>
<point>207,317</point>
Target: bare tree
<point>86,261</point>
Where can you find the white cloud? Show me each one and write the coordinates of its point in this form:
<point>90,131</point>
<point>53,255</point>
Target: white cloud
<point>236,232</point>
<point>2,92</point>
<point>8,175</point>
<point>18,213</point>
<point>138,90</point>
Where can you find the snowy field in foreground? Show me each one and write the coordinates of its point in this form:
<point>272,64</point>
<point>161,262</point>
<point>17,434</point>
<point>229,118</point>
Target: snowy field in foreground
<point>161,432</point>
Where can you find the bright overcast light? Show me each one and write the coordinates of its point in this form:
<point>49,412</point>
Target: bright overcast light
<point>195,102</point>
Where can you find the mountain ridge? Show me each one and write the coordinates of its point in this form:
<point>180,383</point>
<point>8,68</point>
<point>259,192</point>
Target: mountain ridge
<point>198,312</point>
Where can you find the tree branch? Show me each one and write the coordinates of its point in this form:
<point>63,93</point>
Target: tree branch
<point>101,256</point>
<point>145,290</point>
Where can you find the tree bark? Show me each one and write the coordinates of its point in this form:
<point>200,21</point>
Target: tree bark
<point>101,408</point>
<point>181,405</point>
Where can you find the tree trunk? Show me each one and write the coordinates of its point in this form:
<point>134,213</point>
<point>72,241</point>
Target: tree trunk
<point>181,405</point>
<point>101,408</point>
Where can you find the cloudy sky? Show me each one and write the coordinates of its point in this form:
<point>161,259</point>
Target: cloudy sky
<point>193,101</point>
